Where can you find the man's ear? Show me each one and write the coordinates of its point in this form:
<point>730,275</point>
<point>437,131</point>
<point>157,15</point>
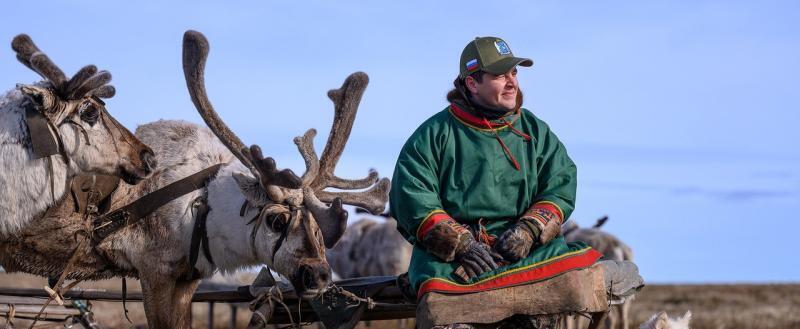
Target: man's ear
<point>42,97</point>
<point>471,84</point>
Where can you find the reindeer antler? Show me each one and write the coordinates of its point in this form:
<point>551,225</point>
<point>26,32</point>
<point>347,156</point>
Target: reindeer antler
<point>36,60</point>
<point>195,53</point>
<point>320,172</point>
<point>86,82</point>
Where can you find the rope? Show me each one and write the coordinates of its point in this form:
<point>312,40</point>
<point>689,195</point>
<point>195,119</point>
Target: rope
<point>53,295</point>
<point>482,235</point>
<point>511,157</point>
<point>353,297</point>
<point>57,294</point>
<point>273,296</point>
<point>279,217</point>
<point>10,316</point>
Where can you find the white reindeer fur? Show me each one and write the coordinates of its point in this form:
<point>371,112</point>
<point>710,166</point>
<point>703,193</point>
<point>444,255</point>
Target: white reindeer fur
<point>662,321</point>
<point>183,149</point>
<point>24,182</point>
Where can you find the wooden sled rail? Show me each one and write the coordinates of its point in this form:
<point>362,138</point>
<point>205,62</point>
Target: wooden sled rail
<point>390,301</point>
<point>376,298</point>
<point>238,295</point>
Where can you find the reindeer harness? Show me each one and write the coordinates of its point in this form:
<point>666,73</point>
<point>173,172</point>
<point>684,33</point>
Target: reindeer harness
<point>115,220</point>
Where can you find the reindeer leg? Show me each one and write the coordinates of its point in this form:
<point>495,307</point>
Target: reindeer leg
<point>597,319</point>
<point>624,311</point>
<point>157,300</point>
<point>182,303</point>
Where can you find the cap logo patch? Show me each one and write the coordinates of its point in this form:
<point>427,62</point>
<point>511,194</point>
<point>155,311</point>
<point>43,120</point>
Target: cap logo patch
<point>502,47</point>
<point>472,65</point>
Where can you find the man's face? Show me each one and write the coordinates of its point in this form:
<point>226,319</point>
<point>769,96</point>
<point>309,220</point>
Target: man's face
<point>495,91</point>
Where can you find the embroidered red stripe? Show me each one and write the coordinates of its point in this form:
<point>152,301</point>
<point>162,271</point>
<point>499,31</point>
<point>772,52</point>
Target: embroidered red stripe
<point>430,222</point>
<point>535,274</point>
<point>551,208</point>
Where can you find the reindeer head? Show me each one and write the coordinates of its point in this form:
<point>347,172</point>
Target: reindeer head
<point>91,139</point>
<point>297,219</point>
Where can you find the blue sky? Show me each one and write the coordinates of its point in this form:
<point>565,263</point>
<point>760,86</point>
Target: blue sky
<point>681,115</point>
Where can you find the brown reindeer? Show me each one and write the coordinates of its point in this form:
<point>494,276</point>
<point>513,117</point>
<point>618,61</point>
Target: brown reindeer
<point>286,223</point>
<point>56,129</point>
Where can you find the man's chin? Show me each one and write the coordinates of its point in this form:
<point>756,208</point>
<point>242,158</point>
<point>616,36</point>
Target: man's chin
<point>508,105</point>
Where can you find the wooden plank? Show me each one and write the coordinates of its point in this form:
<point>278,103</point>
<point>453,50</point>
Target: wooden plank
<point>574,291</point>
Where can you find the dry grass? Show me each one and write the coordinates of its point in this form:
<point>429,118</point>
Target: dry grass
<point>713,306</point>
<point>723,306</point>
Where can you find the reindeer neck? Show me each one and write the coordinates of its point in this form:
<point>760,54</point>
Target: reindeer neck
<point>29,186</point>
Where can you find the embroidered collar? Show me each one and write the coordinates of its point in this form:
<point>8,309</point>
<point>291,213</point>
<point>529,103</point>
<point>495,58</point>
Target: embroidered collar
<point>474,121</point>
<point>481,123</point>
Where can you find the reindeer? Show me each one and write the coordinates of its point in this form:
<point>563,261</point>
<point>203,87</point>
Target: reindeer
<point>660,320</point>
<point>55,129</point>
<point>286,223</point>
<point>370,248</point>
<point>613,249</point>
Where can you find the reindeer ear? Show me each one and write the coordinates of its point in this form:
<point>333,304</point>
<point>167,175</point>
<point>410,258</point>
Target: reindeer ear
<point>657,321</point>
<point>662,322</point>
<point>251,189</point>
<point>683,322</point>
<point>43,98</point>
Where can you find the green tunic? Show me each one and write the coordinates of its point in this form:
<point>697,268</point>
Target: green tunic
<point>456,166</point>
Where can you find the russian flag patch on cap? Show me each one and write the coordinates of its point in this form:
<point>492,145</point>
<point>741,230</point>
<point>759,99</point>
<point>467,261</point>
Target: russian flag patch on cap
<point>472,65</point>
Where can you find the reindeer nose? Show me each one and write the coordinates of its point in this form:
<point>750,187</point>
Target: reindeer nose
<point>314,276</point>
<point>149,160</point>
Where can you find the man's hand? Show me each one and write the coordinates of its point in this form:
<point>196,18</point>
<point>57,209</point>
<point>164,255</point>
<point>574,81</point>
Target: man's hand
<point>516,242</point>
<point>475,258</point>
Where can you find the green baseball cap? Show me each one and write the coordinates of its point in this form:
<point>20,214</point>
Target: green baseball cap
<point>489,54</point>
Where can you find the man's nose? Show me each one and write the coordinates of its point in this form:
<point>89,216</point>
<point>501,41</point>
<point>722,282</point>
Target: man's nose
<point>511,81</point>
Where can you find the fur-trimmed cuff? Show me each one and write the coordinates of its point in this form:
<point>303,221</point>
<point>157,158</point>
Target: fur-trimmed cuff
<point>544,212</point>
<point>444,239</point>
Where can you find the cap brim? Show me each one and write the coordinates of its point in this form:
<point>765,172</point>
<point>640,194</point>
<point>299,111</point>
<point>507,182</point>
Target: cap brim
<point>506,64</point>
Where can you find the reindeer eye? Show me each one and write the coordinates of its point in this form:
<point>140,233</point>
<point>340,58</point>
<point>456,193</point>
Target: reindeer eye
<point>89,113</point>
<point>280,224</point>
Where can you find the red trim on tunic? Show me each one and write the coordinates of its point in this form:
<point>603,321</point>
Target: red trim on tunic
<point>551,208</point>
<point>475,120</point>
<point>514,277</point>
<point>430,222</point>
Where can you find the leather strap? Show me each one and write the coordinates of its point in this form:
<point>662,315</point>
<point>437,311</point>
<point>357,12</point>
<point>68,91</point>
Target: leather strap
<point>199,237</point>
<point>135,211</point>
<point>273,221</point>
<point>93,192</point>
<point>43,140</point>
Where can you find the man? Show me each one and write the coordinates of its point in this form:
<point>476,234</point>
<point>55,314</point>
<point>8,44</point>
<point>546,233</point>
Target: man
<point>481,188</point>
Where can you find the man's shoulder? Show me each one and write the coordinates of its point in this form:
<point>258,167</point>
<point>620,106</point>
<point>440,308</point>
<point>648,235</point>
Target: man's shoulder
<point>534,120</point>
<point>435,123</point>
<point>439,118</point>
<point>432,129</point>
